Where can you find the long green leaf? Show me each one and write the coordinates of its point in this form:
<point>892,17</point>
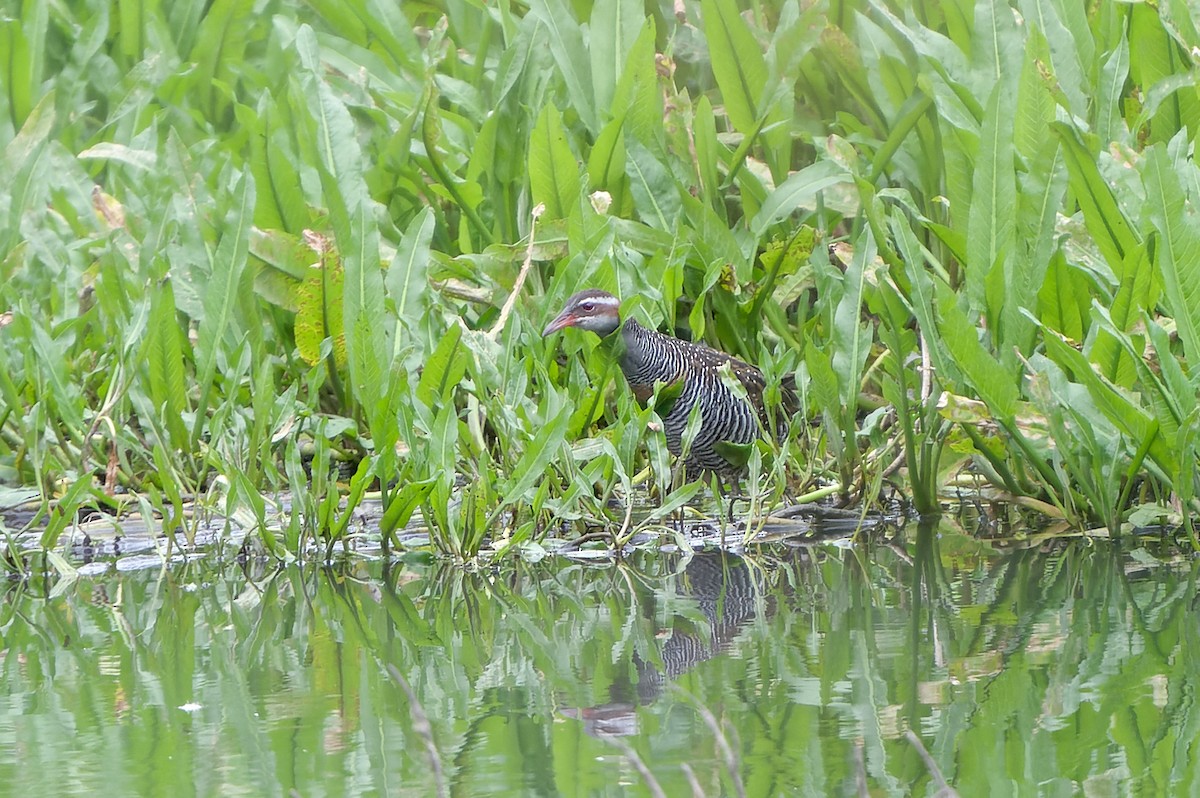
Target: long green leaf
<point>737,62</point>
<point>1169,208</point>
<point>1138,425</point>
<point>570,54</point>
<point>443,370</point>
<point>553,172</point>
<point>655,192</point>
<point>993,199</point>
<point>851,339</point>
<point>221,294</point>
<point>164,359</point>
<point>406,284</point>
<point>538,454</point>
<point>797,191</point>
<point>613,28</point>
<point>993,384</point>
<point>1110,229</point>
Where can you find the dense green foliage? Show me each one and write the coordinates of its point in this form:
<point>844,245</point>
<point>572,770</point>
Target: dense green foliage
<point>245,243</point>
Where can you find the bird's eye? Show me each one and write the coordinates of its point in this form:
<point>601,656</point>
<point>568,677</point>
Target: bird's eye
<point>587,307</point>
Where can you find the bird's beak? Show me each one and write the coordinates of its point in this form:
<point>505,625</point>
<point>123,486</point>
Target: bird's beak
<point>564,319</point>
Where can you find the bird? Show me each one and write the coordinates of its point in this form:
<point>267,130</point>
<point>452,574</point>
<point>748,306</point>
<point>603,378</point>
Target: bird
<point>694,375</point>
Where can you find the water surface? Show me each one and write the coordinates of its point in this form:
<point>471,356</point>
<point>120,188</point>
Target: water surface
<point>1065,668</point>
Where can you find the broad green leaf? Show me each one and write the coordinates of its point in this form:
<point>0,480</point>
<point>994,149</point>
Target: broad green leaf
<point>851,339</point>
<point>1035,103</point>
<point>1117,407</point>
<point>406,281</point>
<point>320,309</point>
<point>23,36</point>
<point>993,199</point>
<point>541,450</point>
<point>1112,232</point>
<point>613,28</point>
<point>570,54</point>
<point>638,98</point>
<point>25,160</point>
<point>221,294</point>
<point>280,195</point>
<point>164,361</point>
<point>286,261</point>
<point>1039,199</point>
<point>606,166</point>
<point>1110,92</point>
<point>655,192</point>
<point>737,62</point>
<point>444,369</point>
<point>1171,212</point>
<point>403,504</point>
<point>1155,56</point>
<point>992,383</point>
<point>336,145</point>
<point>220,44</point>
<point>1134,296</point>
<point>823,381</point>
<point>368,348</point>
<point>553,171</point>
<point>996,47</point>
<point>709,156</point>
<point>799,190</point>
<point>1064,299</point>
<point>1061,65</point>
<point>922,294</point>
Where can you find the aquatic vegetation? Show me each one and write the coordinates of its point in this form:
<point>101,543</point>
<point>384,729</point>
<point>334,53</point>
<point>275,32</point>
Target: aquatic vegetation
<point>266,260</point>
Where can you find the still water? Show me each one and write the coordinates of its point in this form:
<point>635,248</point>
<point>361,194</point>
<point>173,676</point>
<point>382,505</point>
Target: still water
<point>1063,668</point>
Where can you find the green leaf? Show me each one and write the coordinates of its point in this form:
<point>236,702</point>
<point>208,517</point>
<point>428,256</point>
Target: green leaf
<point>405,280</point>
<point>1134,295</point>
<point>614,26</point>
<point>1034,106</point>
<point>655,192</point>
<point>553,171</point>
<point>824,383</point>
<point>1105,220</point>
<point>404,503</point>
<point>538,454</point>
<point>1156,56</point>
<point>993,198</point>
<point>164,361</point>
<point>444,369</point>
<point>992,383</point>
<point>280,194</point>
<point>1110,92</point>
<point>709,156</point>
<point>606,166</point>
<point>737,62</point>
<point>1064,299</point>
<point>320,306</point>
<point>23,36</point>
<point>570,54</point>
<point>851,339</point>
<point>637,97</point>
<point>799,190</point>
<point>1171,211</point>
<point>221,294</point>
<point>1138,425</point>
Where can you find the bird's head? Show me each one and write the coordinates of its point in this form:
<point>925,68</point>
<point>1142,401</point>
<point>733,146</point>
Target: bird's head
<point>595,310</point>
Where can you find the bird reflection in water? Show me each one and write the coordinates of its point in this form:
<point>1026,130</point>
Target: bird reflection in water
<point>725,589</point>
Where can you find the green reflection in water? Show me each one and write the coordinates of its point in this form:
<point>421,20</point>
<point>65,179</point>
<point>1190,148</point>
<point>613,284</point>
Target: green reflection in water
<point>1061,670</point>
